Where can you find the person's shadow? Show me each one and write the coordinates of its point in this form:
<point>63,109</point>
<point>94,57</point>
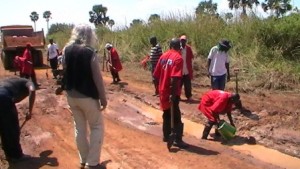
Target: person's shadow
<point>194,149</point>
<point>236,140</point>
<point>249,114</point>
<point>36,162</point>
<point>240,140</point>
<point>192,101</point>
<point>121,84</point>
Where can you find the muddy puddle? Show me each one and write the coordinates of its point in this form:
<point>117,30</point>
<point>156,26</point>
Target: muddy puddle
<point>134,112</point>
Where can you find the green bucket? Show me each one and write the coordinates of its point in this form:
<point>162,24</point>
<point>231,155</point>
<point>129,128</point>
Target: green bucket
<point>226,130</point>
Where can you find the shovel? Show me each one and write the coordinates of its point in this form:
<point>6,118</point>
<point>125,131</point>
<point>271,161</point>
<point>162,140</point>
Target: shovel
<point>236,71</point>
<point>173,134</point>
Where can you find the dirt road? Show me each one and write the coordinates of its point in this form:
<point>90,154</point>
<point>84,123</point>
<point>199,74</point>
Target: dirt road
<point>132,134</point>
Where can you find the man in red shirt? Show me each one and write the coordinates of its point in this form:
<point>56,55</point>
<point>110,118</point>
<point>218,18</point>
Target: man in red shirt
<point>169,72</point>
<point>114,62</point>
<point>214,103</point>
<point>27,69</point>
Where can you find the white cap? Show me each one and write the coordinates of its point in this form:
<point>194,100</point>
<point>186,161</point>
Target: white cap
<point>108,45</point>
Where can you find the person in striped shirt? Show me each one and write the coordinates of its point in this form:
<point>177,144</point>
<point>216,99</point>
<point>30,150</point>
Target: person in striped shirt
<point>155,54</point>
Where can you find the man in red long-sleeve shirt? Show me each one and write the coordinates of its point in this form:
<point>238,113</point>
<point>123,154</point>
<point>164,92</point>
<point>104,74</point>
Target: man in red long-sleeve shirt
<point>214,103</point>
<point>169,72</point>
<point>27,69</point>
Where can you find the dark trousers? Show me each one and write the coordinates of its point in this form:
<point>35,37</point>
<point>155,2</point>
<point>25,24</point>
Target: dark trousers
<point>186,82</point>
<point>154,80</point>
<point>115,75</point>
<point>218,82</point>
<point>53,63</point>
<point>9,128</point>
<point>178,125</point>
<point>208,125</point>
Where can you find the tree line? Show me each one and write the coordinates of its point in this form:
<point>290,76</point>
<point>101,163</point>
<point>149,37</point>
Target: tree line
<point>98,15</point>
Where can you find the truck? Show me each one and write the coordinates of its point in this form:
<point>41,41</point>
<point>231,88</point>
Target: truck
<point>14,39</point>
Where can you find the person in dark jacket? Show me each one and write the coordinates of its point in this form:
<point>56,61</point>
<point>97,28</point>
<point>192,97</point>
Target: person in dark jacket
<point>12,91</point>
<point>86,97</point>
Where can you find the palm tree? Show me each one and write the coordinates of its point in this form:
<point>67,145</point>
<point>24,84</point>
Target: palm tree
<point>98,15</point>
<point>136,22</point>
<point>47,16</point>
<point>228,16</point>
<point>153,17</point>
<point>207,7</point>
<point>244,4</point>
<point>280,7</point>
<point>34,16</point>
<point>111,23</point>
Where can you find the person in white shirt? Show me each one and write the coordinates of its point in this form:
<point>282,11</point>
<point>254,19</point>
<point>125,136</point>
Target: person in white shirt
<point>52,54</point>
<point>218,65</point>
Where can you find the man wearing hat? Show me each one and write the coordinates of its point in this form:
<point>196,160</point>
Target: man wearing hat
<point>214,103</point>
<point>218,65</point>
<point>114,62</point>
<point>187,71</point>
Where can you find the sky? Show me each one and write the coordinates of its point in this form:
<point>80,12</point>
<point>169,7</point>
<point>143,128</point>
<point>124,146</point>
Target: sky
<point>77,11</point>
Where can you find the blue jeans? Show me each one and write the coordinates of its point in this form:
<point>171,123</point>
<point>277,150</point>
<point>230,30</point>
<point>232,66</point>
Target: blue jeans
<point>218,82</point>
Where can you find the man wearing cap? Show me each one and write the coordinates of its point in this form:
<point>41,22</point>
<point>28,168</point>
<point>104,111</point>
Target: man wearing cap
<point>187,71</point>
<point>155,54</point>
<point>169,73</point>
<point>214,103</point>
<point>218,65</point>
<point>114,62</point>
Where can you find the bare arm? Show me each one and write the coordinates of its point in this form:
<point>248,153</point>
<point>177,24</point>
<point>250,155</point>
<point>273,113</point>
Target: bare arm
<point>208,66</point>
<point>98,80</point>
<point>230,118</point>
<point>31,97</point>
<point>228,72</point>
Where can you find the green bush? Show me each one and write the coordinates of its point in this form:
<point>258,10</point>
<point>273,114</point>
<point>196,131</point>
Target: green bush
<point>260,46</point>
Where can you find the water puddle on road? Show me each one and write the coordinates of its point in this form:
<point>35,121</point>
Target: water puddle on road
<point>257,151</point>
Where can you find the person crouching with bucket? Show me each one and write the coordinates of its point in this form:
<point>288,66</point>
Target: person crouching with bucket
<point>214,103</point>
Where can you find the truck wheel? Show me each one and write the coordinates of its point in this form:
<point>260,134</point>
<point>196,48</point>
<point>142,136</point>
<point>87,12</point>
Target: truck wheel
<point>39,58</point>
<point>5,61</point>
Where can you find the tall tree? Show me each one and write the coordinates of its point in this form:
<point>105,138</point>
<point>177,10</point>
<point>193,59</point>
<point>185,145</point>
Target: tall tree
<point>111,23</point>
<point>136,22</point>
<point>244,4</point>
<point>207,7</point>
<point>277,7</point>
<point>228,16</point>
<point>153,17</point>
<point>98,15</point>
<point>47,16</point>
<point>34,16</point>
